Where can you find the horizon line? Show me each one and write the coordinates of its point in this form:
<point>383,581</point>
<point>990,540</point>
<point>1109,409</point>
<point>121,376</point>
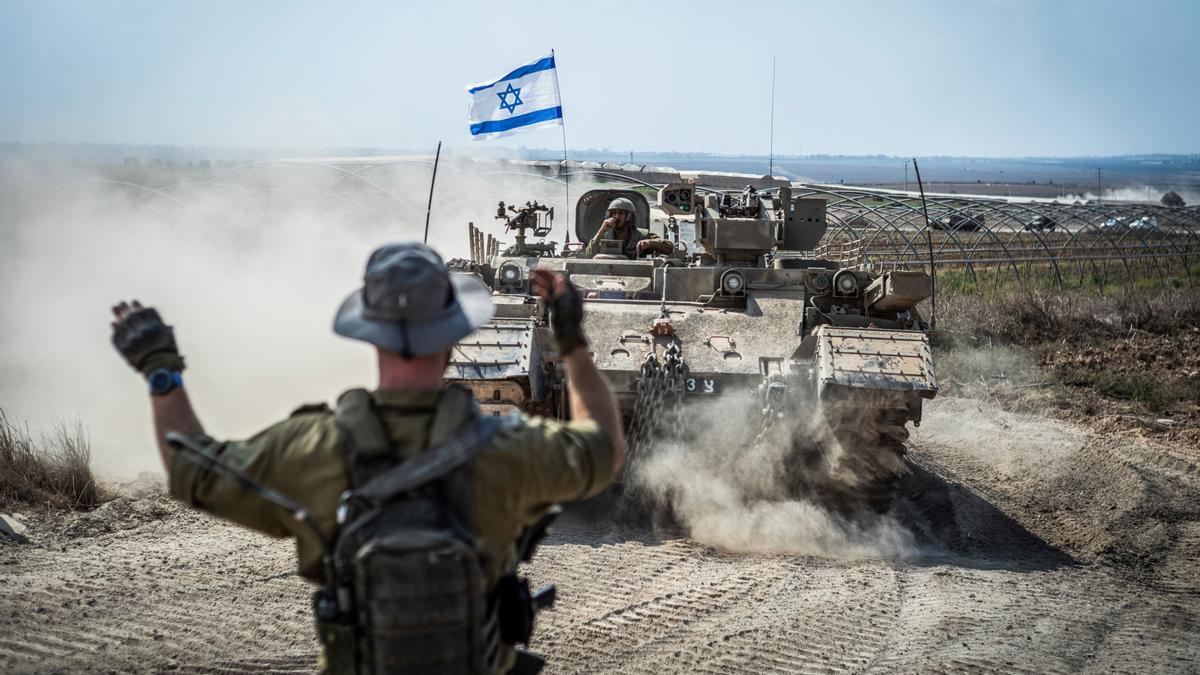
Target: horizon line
<point>558,152</point>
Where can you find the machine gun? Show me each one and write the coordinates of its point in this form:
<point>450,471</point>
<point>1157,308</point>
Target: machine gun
<point>535,217</point>
<point>740,230</point>
<point>747,205</point>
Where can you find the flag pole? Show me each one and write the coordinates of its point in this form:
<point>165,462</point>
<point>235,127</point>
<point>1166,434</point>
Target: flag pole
<point>566,170</point>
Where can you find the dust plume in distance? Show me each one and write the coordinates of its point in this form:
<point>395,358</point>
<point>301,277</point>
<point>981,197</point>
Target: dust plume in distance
<point>248,264</point>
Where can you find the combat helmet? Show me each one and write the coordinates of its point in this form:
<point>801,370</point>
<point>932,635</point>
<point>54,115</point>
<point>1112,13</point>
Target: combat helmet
<point>623,204</point>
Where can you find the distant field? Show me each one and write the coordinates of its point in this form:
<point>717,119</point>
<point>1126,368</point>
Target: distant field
<point>1036,176</point>
<point>1095,242</point>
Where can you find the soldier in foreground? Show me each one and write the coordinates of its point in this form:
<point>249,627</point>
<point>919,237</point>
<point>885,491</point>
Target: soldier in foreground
<point>619,225</point>
<point>422,500</point>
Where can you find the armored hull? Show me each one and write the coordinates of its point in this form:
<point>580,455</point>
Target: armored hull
<point>831,362</point>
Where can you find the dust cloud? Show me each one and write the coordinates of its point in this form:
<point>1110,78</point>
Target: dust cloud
<point>1133,193</point>
<point>1014,445</point>
<point>248,263</point>
<point>988,365</point>
<point>736,495</point>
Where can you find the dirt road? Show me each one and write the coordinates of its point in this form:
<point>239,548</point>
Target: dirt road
<point>1042,547</point>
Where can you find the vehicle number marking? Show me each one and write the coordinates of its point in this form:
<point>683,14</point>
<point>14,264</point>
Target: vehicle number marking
<point>696,385</point>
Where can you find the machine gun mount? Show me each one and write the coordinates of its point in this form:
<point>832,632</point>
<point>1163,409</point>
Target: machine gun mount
<point>535,217</point>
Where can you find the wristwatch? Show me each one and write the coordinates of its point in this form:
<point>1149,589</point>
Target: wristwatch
<point>164,380</point>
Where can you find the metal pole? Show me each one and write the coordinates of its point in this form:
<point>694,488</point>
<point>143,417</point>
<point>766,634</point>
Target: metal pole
<point>432,181</point>
<point>562,123</point>
<point>929,241</point>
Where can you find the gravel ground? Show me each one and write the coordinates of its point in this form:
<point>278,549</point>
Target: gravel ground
<point>1039,546</point>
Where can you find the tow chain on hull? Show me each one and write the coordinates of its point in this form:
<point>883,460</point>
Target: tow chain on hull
<point>658,404</point>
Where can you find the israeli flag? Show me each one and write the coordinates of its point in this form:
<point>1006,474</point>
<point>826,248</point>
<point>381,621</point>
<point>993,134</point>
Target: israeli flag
<point>523,99</point>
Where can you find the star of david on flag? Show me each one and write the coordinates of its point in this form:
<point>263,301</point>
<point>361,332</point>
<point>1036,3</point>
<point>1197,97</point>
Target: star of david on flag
<point>526,98</point>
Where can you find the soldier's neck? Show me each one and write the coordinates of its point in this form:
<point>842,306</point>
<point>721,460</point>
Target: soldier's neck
<point>410,384</point>
<point>421,373</point>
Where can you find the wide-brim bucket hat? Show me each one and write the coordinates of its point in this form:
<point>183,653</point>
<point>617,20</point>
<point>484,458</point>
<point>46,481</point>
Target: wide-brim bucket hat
<point>411,304</point>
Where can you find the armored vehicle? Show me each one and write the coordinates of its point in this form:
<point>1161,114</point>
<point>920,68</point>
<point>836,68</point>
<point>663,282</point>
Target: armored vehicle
<point>744,315</point>
<point>960,222</point>
<point>1041,223</point>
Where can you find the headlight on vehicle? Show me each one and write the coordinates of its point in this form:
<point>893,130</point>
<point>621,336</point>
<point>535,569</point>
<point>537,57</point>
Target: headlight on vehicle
<point>732,282</point>
<point>510,275</point>
<point>846,283</point>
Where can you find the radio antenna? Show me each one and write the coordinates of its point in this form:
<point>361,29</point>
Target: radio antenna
<point>771,161</point>
<point>432,181</point>
<point>929,241</point>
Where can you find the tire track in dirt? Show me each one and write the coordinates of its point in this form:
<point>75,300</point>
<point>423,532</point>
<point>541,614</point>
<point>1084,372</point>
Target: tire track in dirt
<point>1023,574</point>
<point>835,619</point>
<point>161,595</point>
<point>1044,549</point>
<point>720,613</point>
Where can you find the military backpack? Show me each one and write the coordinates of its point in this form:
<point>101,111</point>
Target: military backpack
<point>410,589</point>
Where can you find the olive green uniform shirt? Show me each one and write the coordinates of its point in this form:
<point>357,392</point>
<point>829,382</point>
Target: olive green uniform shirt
<point>526,468</point>
<point>628,247</point>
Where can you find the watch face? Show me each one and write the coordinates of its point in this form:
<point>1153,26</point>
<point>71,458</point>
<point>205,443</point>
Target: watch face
<point>162,381</point>
<point>159,380</point>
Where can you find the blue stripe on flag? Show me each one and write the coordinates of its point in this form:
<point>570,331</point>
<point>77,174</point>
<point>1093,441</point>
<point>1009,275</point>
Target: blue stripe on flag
<point>495,126</point>
<point>544,64</point>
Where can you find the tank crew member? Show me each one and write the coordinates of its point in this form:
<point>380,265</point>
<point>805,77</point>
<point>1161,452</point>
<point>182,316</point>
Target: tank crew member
<point>619,224</point>
<point>413,311</point>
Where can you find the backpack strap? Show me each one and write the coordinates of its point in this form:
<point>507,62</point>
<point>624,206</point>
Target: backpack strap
<point>431,464</point>
<point>364,439</point>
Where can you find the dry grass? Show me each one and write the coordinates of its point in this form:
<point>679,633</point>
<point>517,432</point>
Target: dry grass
<point>1024,318</point>
<point>54,472</point>
<point>1153,391</point>
<point>1137,346</point>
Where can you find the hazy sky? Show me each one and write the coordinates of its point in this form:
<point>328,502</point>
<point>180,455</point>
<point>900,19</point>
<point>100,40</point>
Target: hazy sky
<point>985,77</point>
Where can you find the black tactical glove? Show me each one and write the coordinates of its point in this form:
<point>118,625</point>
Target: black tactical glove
<point>147,343</point>
<point>566,319</point>
<point>566,309</point>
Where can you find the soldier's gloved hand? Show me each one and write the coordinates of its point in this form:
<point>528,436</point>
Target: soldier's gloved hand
<point>140,336</point>
<point>566,308</point>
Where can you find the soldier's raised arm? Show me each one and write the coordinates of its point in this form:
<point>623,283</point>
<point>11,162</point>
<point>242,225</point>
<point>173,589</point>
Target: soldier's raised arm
<point>148,345</point>
<point>591,395</point>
